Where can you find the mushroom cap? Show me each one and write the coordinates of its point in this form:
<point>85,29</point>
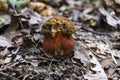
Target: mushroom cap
<point>58,25</point>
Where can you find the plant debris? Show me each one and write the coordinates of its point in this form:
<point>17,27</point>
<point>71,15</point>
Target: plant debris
<point>96,53</point>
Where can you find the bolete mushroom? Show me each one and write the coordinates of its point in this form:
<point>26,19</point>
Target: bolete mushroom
<point>58,41</point>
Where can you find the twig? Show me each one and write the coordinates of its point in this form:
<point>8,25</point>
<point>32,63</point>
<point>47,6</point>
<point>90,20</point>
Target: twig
<point>49,67</point>
<point>43,58</point>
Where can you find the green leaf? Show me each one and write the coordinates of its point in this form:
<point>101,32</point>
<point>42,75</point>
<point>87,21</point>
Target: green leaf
<point>2,21</point>
<point>88,1</point>
<point>77,47</point>
<point>21,3</point>
<point>18,3</point>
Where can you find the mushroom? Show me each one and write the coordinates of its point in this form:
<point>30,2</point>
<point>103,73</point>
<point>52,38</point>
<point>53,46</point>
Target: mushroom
<point>58,41</point>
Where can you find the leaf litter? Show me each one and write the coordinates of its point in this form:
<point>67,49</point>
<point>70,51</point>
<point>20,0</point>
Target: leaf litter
<point>96,54</point>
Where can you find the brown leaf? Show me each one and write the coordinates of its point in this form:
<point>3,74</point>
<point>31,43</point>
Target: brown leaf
<point>111,71</point>
<point>106,62</point>
<point>3,5</point>
<point>41,8</point>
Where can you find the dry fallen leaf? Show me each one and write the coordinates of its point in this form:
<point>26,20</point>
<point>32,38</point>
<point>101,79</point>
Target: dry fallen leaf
<point>112,21</point>
<point>117,1</point>
<point>115,53</point>
<point>109,2</point>
<point>80,55</point>
<point>4,42</point>
<point>111,71</point>
<point>3,5</point>
<point>41,8</point>
<point>7,60</point>
<point>102,48</point>
<point>106,62</point>
<point>97,68</point>
<point>4,52</point>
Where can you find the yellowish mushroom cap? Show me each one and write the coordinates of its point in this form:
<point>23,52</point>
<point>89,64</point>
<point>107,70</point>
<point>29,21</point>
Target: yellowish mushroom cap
<point>58,25</point>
